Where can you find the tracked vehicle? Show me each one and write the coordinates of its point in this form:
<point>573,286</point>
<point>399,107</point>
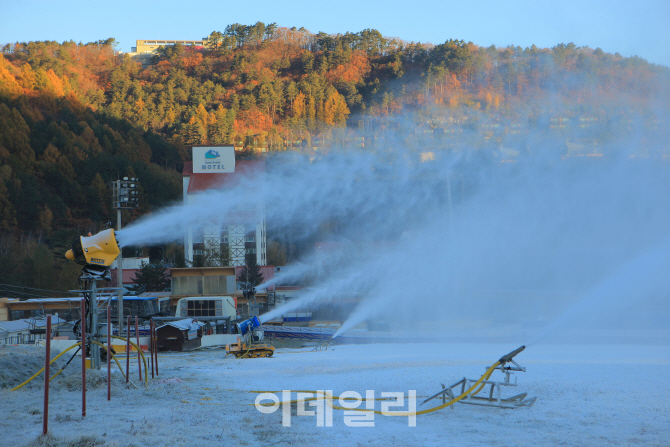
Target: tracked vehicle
<point>249,344</point>
<point>249,338</point>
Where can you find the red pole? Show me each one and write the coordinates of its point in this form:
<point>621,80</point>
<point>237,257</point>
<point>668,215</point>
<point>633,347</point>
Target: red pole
<point>156,340</point>
<point>109,353</point>
<point>151,346</point>
<point>128,350</point>
<point>47,362</point>
<point>139,348</point>
<point>83,358</point>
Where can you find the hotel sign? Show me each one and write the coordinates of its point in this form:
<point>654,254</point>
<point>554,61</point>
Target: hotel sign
<point>213,159</point>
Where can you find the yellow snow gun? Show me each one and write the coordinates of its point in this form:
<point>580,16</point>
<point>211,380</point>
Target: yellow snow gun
<point>95,252</point>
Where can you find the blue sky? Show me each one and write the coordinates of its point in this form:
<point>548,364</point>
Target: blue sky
<point>631,28</point>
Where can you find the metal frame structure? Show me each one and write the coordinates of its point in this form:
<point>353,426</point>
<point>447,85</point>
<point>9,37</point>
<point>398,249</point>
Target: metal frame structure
<point>212,242</point>
<point>236,235</point>
<point>125,195</point>
<point>494,398</point>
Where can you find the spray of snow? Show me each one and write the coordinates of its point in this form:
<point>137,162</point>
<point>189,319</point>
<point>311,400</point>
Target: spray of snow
<point>458,241</point>
<point>643,280</point>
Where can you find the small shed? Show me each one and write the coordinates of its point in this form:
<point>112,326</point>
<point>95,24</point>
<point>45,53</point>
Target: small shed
<point>181,335</point>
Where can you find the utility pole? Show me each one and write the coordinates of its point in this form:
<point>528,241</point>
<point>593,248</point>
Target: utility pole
<point>95,349</point>
<point>119,277</point>
<point>124,196</point>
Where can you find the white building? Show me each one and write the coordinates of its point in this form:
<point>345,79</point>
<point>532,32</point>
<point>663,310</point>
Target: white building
<point>227,243</point>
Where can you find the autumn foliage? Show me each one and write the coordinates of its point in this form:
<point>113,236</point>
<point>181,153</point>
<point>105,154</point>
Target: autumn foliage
<point>75,116</point>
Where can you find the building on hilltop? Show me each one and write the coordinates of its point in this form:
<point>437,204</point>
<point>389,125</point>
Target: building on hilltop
<point>150,46</point>
<point>559,122</point>
<point>587,120</point>
<point>144,50</point>
<point>241,233</point>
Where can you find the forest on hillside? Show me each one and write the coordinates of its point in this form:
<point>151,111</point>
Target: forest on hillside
<point>75,116</point>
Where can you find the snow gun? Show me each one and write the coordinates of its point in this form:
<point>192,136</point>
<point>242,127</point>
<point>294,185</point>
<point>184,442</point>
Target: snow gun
<point>95,252</point>
<point>466,391</point>
<point>508,357</point>
<point>247,326</point>
<point>249,342</point>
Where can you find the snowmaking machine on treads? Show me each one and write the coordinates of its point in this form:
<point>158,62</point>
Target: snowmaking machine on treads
<point>249,338</point>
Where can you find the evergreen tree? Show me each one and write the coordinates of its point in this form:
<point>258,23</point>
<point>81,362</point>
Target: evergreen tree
<point>151,278</point>
<point>250,275</point>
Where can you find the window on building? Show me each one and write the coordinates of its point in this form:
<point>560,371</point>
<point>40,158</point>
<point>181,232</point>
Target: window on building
<point>250,251</point>
<point>198,252</point>
<point>189,285</point>
<point>203,308</point>
<point>209,285</point>
<point>250,239</point>
<point>224,239</point>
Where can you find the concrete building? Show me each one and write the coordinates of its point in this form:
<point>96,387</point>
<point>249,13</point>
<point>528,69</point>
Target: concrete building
<point>144,50</point>
<point>220,281</point>
<point>559,122</point>
<point>243,233</point>
<point>151,45</point>
<point>13,309</point>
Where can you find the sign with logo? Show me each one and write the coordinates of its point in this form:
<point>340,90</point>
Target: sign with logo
<point>213,159</point>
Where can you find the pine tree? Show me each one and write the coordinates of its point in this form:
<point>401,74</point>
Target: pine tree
<point>250,275</point>
<point>151,278</point>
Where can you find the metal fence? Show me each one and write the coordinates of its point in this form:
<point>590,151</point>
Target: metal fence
<point>20,339</point>
<point>324,333</point>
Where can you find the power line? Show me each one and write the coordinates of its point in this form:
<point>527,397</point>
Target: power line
<point>28,294</point>
<point>32,288</point>
<point>4,277</point>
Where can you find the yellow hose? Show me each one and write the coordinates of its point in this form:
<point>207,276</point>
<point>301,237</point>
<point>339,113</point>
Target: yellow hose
<point>485,376</point>
<point>40,371</point>
<point>245,354</point>
<point>146,376</point>
<point>309,399</point>
<point>63,368</point>
<point>109,352</point>
<point>144,359</point>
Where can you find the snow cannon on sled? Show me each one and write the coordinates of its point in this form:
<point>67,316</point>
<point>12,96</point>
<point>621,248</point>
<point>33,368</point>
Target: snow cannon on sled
<point>249,340</point>
<point>493,398</point>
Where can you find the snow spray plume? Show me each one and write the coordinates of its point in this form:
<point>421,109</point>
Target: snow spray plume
<point>297,271</point>
<point>344,281</point>
<point>454,239</point>
<point>525,244</point>
<point>618,297</point>
<point>346,187</point>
